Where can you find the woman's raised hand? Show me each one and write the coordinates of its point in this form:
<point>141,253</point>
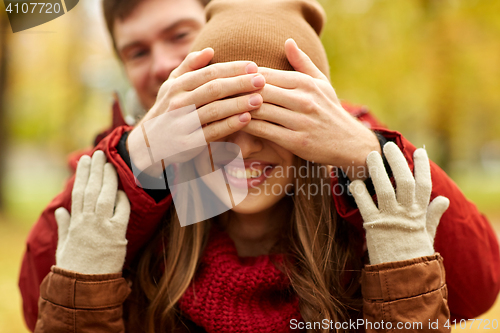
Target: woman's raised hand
<point>92,239</point>
<point>301,113</point>
<point>404,224</point>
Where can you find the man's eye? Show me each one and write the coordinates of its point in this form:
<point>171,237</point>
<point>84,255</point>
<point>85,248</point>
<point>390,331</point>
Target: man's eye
<point>137,54</point>
<point>181,36</point>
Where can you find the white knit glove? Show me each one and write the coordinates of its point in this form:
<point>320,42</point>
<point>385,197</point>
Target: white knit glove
<point>92,240</point>
<point>403,226</point>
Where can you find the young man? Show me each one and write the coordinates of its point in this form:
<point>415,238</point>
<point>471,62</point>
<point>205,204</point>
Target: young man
<point>152,38</point>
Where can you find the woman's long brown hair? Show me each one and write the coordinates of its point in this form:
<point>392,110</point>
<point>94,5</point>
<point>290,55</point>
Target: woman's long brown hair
<point>323,261</point>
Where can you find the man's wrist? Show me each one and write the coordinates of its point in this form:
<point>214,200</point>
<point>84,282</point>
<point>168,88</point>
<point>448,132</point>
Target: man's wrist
<point>122,149</point>
<point>344,181</point>
<point>144,179</point>
<point>355,167</point>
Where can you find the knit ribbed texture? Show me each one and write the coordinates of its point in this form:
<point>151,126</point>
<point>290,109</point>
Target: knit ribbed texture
<point>228,293</point>
<point>232,294</point>
<point>257,30</point>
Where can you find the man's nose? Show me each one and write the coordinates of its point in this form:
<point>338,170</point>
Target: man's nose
<point>248,143</point>
<point>164,62</point>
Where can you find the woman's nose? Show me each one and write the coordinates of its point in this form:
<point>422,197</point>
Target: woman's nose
<point>248,143</point>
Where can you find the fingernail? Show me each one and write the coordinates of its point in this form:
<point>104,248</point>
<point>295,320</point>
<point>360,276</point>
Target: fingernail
<point>251,68</point>
<point>258,81</point>
<point>255,100</point>
<point>244,117</point>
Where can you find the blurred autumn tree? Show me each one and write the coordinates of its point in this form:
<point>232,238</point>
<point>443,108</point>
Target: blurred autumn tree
<point>427,68</point>
<point>60,81</point>
<point>4,27</point>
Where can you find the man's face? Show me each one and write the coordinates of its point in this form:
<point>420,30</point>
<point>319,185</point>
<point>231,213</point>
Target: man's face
<point>154,39</point>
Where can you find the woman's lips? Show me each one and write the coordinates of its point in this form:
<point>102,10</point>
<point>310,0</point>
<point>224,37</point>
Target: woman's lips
<point>253,175</point>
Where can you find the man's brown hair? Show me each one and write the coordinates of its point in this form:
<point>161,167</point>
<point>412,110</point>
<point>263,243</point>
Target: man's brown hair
<point>120,9</point>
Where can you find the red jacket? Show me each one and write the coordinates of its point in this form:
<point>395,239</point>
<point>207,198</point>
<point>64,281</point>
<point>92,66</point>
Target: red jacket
<point>464,237</point>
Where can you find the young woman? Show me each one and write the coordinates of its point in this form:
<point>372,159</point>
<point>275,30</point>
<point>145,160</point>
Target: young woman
<point>280,260</point>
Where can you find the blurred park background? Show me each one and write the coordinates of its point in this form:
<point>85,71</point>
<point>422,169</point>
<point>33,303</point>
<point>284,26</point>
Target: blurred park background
<point>427,68</point>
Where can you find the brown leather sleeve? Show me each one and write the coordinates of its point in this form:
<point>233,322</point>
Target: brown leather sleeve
<point>73,302</point>
<point>409,296</point>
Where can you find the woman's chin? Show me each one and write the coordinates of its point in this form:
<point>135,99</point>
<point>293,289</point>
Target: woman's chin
<point>255,204</point>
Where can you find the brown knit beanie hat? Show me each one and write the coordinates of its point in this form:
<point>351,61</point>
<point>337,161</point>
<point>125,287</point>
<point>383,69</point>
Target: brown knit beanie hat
<point>256,30</point>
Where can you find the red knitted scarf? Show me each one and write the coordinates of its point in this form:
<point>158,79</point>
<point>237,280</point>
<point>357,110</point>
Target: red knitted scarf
<point>233,294</point>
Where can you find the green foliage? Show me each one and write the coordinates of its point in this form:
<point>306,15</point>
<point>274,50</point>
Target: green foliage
<point>430,69</point>
<point>59,92</point>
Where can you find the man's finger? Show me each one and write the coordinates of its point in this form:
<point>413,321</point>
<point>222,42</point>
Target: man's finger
<point>281,116</point>
<point>222,128</point>
<point>222,88</point>
<point>197,78</point>
<point>286,98</point>
<point>301,61</point>
<point>193,61</point>
<point>290,99</point>
<point>283,79</point>
<point>282,136</point>
<point>221,109</point>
